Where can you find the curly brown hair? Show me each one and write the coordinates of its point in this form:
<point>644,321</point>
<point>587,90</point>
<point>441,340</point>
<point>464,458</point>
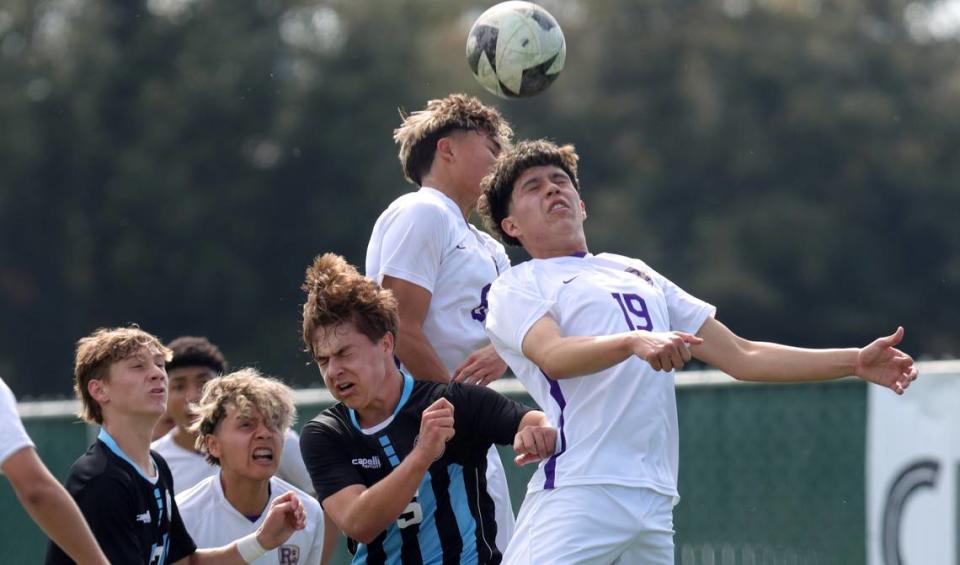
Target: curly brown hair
<point>101,349</point>
<point>494,205</point>
<point>338,293</point>
<point>244,389</point>
<point>419,132</point>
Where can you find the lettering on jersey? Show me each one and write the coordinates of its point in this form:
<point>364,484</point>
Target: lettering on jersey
<point>480,312</point>
<point>634,310</point>
<point>367,462</point>
<point>640,274</point>
<point>144,518</point>
<point>411,515</point>
<point>288,554</point>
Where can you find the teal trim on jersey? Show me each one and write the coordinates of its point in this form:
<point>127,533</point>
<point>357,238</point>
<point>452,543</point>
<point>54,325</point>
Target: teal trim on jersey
<point>429,538</point>
<point>111,443</point>
<point>460,502</point>
<point>430,545</point>
<point>404,397</point>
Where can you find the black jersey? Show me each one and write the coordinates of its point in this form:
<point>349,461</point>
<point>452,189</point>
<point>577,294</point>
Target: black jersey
<point>135,519</point>
<point>451,517</point>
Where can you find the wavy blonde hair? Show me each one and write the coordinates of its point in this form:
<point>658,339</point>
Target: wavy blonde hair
<point>245,390</point>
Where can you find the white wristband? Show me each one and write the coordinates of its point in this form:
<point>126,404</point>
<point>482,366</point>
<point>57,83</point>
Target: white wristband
<point>249,548</point>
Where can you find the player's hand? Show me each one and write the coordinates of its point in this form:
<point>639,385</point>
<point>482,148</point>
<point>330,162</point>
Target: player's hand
<point>436,429</point>
<point>882,363</point>
<point>534,443</point>
<point>481,367</point>
<point>665,351</point>
<point>286,515</point>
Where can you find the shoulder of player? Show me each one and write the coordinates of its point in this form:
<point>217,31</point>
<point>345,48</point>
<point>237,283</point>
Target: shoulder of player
<point>96,474</point>
<point>332,421</point>
<point>419,205</point>
<point>197,495</point>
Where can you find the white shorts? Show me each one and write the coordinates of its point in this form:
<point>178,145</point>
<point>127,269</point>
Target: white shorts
<point>595,524</point>
<point>499,491</point>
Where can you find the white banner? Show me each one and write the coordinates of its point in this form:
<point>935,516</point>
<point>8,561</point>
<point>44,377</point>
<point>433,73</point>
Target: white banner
<point>913,457</point>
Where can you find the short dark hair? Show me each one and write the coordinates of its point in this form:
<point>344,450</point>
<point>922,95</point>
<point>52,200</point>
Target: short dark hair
<point>338,293</point>
<point>190,351</point>
<point>494,205</point>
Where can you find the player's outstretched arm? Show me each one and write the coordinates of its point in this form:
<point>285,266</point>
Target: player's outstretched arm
<point>481,367</point>
<point>362,513</point>
<point>536,439</point>
<point>286,515</point>
<point>564,357</point>
<point>51,507</point>
<point>880,362</point>
<point>413,348</point>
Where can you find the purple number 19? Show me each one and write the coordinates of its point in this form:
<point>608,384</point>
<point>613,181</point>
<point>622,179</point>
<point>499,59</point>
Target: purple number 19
<point>634,311</point>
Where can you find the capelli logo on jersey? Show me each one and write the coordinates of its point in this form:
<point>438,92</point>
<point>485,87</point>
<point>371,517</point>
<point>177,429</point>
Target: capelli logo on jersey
<point>288,554</point>
<point>367,463</point>
<point>640,274</point>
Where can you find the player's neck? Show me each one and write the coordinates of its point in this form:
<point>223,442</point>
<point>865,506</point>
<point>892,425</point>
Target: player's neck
<point>385,403</point>
<point>133,438</point>
<point>464,197</point>
<point>248,496</point>
<point>551,249</point>
<point>184,439</point>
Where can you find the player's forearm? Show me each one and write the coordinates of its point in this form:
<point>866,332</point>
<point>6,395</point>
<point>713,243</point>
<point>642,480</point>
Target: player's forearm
<point>418,355</point>
<point>761,361</point>
<point>576,356</point>
<point>380,505</point>
<point>331,535</point>
<point>52,508</point>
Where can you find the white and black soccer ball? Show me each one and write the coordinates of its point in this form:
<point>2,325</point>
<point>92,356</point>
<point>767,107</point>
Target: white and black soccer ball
<point>516,49</point>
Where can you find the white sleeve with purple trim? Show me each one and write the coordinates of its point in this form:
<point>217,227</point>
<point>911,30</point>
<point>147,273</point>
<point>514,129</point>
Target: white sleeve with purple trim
<point>617,426</point>
<point>13,437</point>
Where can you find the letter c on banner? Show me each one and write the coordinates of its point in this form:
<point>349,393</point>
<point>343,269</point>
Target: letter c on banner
<point>921,474</point>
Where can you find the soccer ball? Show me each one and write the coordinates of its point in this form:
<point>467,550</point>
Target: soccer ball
<point>516,49</point>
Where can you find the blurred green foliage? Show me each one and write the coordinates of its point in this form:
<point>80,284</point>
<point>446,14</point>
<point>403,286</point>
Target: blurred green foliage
<point>177,163</point>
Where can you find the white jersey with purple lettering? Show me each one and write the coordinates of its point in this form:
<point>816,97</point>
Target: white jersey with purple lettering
<point>423,238</point>
<point>617,426</point>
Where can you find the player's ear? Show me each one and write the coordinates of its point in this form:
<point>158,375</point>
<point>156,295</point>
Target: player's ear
<point>509,227</point>
<point>213,446</point>
<point>583,210</point>
<point>97,392</point>
<point>388,342</point>
<point>444,149</point>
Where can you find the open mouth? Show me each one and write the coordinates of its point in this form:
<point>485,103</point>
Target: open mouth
<point>263,455</point>
<point>557,206</point>
<point>341,388</point>
<point>158,391</point>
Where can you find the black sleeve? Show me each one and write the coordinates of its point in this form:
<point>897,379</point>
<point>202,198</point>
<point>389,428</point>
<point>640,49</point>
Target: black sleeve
<point>484,414</point>
<point>327,460</point>
<point>181,544</point>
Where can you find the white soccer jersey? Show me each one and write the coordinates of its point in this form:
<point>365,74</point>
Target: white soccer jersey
<point>13,437</point>
<point>618,426</point>
<point>213,522</point>
<point>423,238</point>
<point>189,467</point>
